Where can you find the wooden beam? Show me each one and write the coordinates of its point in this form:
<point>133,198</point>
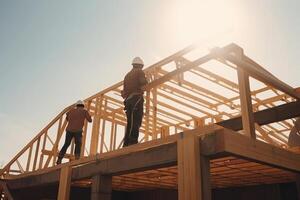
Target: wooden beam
<point>262,76</point>
<point>101,187</point>
<point>258,151</point>
<point>64,183</point>
<point>174,73</point>
<point>130,159</point>
<point>34,139</point>
<point>96,126</point>
<point>205,177</point>
<point>189,173</point>
<point>246,103</point>
<point>298,185</point>
<point>267,116</point>
<point>6,191</point>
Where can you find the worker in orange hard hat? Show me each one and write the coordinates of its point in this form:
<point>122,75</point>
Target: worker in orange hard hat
<point>133,100</point>
<point>75,117</point>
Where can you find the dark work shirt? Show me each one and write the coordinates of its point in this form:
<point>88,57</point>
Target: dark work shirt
<point>76,117</point>
<point>133,82</point>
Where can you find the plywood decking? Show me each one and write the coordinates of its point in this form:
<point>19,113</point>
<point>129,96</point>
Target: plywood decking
<point>225,172</point>
<point>230,162</point>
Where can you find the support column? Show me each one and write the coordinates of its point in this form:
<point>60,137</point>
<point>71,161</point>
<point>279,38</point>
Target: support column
<point>205,177</point>
<point>298,185</point>
<point>189,172</point>
<point>101,187</point>
<point>246,103</point>
<point>64,183</point>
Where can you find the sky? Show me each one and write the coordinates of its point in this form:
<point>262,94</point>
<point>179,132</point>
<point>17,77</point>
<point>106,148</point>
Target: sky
<point>53,53</point>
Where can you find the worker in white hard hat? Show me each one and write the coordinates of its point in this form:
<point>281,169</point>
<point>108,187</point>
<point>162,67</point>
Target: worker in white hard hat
<point>133,100</point>
<point>75,117</point>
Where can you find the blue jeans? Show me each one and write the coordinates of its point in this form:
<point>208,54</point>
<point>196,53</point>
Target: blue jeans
<point>69,136</point>
<point>134,114</point>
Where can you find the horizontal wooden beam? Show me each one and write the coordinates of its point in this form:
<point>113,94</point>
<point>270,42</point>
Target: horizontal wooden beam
<point>262,75</point>
<point>227,142</point>
<point>261,152</point>
<point>267,116</point>
<point>155,157</point>
<point>160,156</point>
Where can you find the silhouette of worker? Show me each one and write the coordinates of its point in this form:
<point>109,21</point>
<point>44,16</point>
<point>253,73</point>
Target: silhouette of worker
<point>294,137</point>
<point>75,117</point>
<point>133,101</point>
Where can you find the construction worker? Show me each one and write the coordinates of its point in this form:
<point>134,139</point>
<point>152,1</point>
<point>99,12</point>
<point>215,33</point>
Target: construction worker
<point>75,117</point>
<point>133,100</point>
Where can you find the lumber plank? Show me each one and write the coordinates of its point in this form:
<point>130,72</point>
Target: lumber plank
<point>240,145</point>
<point>267,116</point>
<point>64,183</point>
<point>246,103</point>
<point>205,177</point>
<point>142,159</point>
<point>189,172</point>
<point>101,187</point>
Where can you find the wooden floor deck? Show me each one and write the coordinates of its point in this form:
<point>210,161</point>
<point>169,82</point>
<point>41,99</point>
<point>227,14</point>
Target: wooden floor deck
<point>234,160</point>
<point>225,172</point>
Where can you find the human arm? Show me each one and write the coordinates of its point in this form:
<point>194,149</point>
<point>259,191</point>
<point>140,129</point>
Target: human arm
<point>142,78</point>
<point>88,116</point>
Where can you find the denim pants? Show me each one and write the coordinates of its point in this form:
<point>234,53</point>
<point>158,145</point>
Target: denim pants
<point>134,114</point>
<point>69,136</point>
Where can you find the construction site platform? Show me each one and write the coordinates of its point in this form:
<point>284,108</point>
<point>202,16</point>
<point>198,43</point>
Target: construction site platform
<point>227,159</point>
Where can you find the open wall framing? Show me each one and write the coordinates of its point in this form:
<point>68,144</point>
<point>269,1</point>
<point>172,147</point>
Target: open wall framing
<point>188,90</point>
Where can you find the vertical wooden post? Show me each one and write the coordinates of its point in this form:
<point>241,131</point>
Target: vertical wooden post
<point>147,115</point>
<point>64,183</point>
<point>205,177</point>
<point>199,122</point>
<point>165,131</point>
<point>298,185</point>
<point>154,117</point>
<point>101,187</point>
<point>96,125</point>
<point>189,173</point>
<point>102,142</point>
<point>85,131</point>
<point>154,111</point>
<point>29,158</point>
<point>245,98</point>
<point>43,148</point>
<point>58,136</point>
<point>37,148</point>
<point>246,103</point>
<point>112,129</point>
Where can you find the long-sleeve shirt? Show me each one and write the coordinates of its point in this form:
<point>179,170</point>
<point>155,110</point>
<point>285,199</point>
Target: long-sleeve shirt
<point>133,82</point>
<point>76,118</point>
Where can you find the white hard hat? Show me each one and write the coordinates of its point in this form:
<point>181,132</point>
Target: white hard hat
<point>79,102</point>
<point>137,60</point>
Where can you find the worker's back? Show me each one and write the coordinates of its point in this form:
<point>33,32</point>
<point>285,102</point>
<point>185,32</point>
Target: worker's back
<point>76,117</point>
<point>133,82</point>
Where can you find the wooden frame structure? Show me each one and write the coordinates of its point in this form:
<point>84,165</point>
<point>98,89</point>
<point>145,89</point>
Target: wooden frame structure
<point>186,95</point>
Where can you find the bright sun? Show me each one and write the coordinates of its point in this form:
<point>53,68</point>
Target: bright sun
<point>195,20</point>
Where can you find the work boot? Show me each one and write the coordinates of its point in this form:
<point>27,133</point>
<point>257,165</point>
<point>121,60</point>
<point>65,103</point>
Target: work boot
<point>125,143</point>
<point>58,162</point>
